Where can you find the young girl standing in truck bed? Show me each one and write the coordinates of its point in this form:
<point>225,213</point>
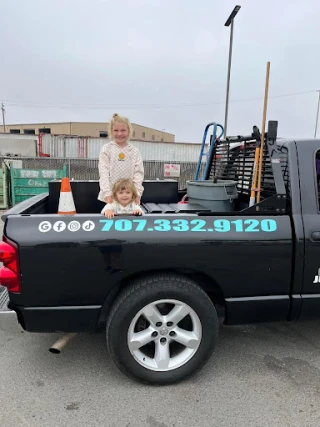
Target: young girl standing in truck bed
<point>119,159</point>
<point>124,195</point>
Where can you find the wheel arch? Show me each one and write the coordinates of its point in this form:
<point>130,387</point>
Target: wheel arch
<point>206,282</point>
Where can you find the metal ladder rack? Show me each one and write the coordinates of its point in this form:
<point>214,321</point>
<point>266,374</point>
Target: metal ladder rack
<point>233,159</point>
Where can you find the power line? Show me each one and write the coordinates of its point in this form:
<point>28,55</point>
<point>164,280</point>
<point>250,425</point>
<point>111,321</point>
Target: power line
<point>145,106</point>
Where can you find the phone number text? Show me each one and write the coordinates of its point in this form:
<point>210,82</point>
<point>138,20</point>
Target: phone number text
<point>194,225</point>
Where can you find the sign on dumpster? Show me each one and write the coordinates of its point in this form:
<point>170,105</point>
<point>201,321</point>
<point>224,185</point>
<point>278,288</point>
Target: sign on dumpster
<point>26,183</point>
<point>171,170</point>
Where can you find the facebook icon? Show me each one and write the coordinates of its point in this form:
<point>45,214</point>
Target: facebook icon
<point>59,226</point>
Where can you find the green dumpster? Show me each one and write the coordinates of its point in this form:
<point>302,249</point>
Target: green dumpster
<point>26,183</point>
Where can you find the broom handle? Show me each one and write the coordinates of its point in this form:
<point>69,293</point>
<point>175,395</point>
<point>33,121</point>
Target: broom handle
<point>255,174</point>
<point>263,131</point>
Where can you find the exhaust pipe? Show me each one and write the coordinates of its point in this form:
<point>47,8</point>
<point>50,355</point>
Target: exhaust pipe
<point>61,343</point>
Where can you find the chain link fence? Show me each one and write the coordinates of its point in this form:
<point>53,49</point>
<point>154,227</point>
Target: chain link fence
<point>87,169</point>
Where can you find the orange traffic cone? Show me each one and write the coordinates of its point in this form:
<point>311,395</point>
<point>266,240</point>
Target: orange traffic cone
<point>66,202</point>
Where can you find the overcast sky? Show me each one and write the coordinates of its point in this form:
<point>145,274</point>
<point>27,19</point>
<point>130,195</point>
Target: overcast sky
<point>162,63</point>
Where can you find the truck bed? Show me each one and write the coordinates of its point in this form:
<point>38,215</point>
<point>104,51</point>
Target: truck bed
<point>231,161</point>
<point>47,204</point>
<point>159,197</point>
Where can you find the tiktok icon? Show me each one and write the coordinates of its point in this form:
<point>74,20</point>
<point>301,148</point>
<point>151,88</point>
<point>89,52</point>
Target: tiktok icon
<point>88,225</point>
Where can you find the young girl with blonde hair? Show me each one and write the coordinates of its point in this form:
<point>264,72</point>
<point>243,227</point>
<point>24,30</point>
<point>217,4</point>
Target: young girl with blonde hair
<point>124,195</point>
<point>119,159</point>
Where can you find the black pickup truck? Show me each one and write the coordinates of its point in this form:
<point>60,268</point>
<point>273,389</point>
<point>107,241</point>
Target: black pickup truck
<point>160,284</point>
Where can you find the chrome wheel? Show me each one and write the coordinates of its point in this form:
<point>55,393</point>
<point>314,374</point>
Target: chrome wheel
<point>164,335</point>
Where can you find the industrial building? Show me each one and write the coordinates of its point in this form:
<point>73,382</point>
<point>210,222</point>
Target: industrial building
<point>79,147</point>
<point>85,129</point>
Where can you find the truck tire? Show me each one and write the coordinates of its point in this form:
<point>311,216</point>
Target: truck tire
<point>162,329</point>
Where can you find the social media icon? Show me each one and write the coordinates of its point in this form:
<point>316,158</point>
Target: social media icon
<point>74,226</point>
<point>59,226</point>
<point>44,226</point>
<point>88,225</point>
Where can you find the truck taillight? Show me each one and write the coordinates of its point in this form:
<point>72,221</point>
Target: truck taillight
<point>10,272</point>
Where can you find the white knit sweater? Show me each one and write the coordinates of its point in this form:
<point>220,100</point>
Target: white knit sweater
<point>117,162</point>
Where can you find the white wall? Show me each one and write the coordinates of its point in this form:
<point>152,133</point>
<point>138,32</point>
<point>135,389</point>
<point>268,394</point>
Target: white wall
<point>21,147</point>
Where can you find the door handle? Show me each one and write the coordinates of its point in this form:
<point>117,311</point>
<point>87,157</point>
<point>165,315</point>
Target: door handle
<point>315,236</point>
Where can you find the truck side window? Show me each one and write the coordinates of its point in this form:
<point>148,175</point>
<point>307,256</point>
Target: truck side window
<point>318,176</point>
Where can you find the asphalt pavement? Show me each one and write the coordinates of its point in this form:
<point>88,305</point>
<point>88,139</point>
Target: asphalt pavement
<point>260,375</point>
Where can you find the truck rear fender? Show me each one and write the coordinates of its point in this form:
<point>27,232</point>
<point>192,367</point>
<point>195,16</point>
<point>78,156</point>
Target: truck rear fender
<point>207,283</point>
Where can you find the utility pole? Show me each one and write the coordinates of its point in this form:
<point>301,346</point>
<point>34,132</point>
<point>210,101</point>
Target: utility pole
<point>229,22</point>
<point>3,119</point>
<point>317,116</point>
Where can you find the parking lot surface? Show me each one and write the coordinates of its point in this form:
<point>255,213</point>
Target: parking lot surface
<point>260,375</point>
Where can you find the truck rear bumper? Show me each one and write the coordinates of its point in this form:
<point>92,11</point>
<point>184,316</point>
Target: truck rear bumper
<point>47,319</point>
<point>60,319</point>
<point>8,318</point>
